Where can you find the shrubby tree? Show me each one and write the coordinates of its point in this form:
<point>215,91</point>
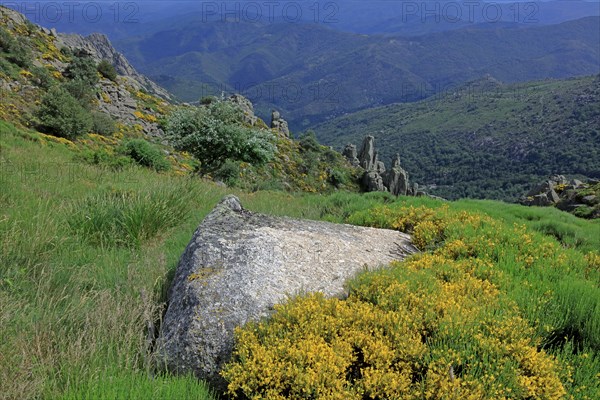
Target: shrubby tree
<point>61,114</point>
<point>215,133</point>
<point>81,90</point>
<point>103,123</point>
<point>82,68</point>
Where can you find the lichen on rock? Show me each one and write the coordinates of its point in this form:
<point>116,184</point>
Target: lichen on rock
<point>239,264</point>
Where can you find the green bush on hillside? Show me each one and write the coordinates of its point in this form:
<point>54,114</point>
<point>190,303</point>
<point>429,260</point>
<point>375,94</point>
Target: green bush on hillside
<point>103,124</point>
<point>107,70</point>
<point>82,91</point>
<point>82,68</point>
<point>15,51</point>
<point>61,114</point>
<point>215,133</point>
<point>146,154</point>
<point>43,77</point>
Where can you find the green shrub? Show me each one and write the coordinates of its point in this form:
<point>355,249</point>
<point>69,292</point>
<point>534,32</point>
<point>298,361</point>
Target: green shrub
<point>107,70</point>
<point>103,124</point>
<point>206,100</point>
<point>104,158</point>
<point>15,51</point>
<point>146,154</point>
<point>215,133</point>
<point>43,77</point>
<point>229,172</point>
<point>82,91</point>
<point>82,68</point>
<point>6,41</point>
<point>61,114</point>
<point>309,143</point>
<point>338,178</point>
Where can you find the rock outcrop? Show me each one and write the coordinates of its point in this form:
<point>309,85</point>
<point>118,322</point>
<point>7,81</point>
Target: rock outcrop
<point>239,264</point>
<point>396,179</point>
<point>99,48</point>
<point>246,106</point>
<point>376,177</point>
<point>351,155</point>
<point>279,124</point>
<point>582,199</point>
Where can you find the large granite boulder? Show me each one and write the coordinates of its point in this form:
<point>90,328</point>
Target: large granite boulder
<point>239,264</point>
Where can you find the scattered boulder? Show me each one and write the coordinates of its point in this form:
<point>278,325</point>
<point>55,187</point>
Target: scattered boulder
<point>240,264</point>
<point>575,196</point>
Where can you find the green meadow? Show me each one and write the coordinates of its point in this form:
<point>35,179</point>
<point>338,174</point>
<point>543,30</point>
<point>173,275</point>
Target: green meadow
<point>87,252</point>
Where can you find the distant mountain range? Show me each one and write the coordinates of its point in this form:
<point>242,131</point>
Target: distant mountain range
<point>316,61</point>
<point>312,73</point>
<point>485,139</point>
<point>121,20</point>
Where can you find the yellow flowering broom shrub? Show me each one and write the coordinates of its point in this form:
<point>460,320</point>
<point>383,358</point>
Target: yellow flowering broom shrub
<point>461,321</point>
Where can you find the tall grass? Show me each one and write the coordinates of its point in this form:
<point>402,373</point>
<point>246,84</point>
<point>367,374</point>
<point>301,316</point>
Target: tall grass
<point>127,218</point>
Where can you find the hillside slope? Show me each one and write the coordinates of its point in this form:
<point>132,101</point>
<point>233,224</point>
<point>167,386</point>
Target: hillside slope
<point>123,117</point>
<point>486,139</point>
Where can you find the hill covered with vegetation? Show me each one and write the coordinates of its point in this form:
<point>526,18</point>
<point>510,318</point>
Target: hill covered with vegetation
<point>103,183</point>
<point>60,85</point>
<point>486,139</point>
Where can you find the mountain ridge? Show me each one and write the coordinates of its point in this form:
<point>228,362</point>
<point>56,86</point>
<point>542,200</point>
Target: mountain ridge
<point>312,73</point>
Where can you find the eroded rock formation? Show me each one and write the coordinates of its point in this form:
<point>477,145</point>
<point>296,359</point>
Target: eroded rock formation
<point>376,177</point>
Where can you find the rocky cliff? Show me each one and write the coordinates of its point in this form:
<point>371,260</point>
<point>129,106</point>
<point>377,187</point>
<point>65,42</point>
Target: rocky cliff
<point>131,98</point>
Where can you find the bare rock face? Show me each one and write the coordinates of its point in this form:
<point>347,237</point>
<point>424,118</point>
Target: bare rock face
<point>351,155</point>
<point>239,264</point>
<point>367,154</point>
<point>396,179</point>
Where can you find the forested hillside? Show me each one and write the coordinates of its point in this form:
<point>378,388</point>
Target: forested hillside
<point>486,139</point>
